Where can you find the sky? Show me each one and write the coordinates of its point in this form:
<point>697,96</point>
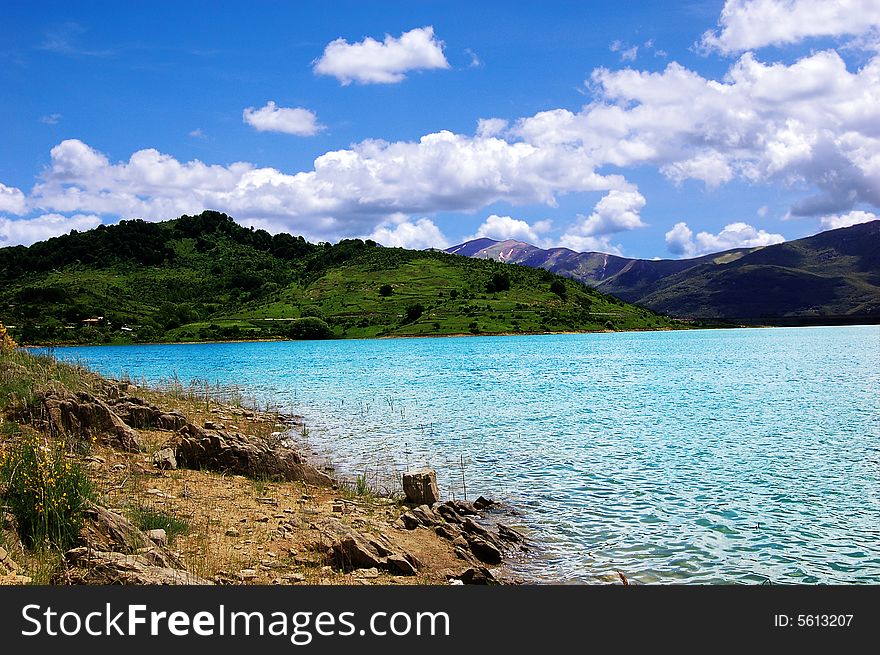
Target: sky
<point>650,129</point>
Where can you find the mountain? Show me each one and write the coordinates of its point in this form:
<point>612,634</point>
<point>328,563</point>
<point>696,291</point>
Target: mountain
<point>831,277</point>
<point>205,277</point>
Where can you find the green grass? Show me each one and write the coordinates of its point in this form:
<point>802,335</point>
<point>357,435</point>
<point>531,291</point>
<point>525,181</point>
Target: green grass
<point>149,517</point>
<point>222,282</point>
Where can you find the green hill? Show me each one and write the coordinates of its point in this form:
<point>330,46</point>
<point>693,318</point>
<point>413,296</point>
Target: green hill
<point>205,277</point>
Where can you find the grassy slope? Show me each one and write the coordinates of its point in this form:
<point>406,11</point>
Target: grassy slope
<point>347,297</point>
<point>204,277</point>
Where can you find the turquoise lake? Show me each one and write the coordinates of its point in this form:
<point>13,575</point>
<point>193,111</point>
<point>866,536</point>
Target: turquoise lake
<point>705,456</point>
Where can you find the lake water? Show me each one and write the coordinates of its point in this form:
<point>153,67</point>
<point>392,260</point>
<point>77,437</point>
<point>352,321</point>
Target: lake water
<point>705,456</point>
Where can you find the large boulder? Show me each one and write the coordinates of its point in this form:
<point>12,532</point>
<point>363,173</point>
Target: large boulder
<point>86,416</point>
<point>140,414</point>
<point>420,486</point>
<point>233,452</point>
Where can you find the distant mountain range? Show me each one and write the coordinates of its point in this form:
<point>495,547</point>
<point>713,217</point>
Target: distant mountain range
<point>831,277</point>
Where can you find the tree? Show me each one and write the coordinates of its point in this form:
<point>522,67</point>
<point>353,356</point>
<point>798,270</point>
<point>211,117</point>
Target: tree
<point>499,282</point>
<point>414,312</point>
<point>309,327</point>
<point>558,287</point>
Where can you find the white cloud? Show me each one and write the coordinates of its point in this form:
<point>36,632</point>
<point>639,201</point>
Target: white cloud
<point>25,231</point>
<point>489,127</point>
<point>418,236</point>
<point>348,191</point>
<point>502,228</point>
<point>387,62</point>
<point>198,133</point>
<point>751,24</point>
<point>476,62</point>
<point>580,243</point>
<point>289,120</point>
<point>845,220</point>
<point>630,54</point>
<point>617,211</point>
<point>51,119</point>
<point>811,125</point>
<point>680,239</point>
<point>12,200</point>
<point>762,211</point>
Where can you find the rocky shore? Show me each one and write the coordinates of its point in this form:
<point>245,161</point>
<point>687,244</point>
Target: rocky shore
<point>240,504</point>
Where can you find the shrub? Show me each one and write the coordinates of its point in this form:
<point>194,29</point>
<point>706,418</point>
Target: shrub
<point>386,290</point>
<point>558,287</point>
<point>414,312</point>
<point>499,282</point>
<point>308,327</point>
<point>45,491</point>
<point>6,342</point>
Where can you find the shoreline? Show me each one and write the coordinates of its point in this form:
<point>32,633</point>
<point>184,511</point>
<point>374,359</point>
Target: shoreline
<point>443,336</point>
<point>240,524</point>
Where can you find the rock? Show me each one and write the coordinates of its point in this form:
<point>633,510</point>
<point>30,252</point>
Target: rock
<point>402,564</point>
<point>104,530</point>
<point>247,574</point>
<point>410,522</point>
<point>92,567</point>
<point>424,515</point>
<point>229,452</point>
<point>140,414</point>
<point>477,575</point>
<point>8,567</point>
<point>165,460</point>
<point>86,416</point>
<point>158,537</point>
<point>366,573</point>
<point>449,514</point>
<point>353,550</point>
<point>482,503</point>
<point>446,532</point>
<point>509,534</point>
<point>472,527</point>
<point>483,550</point>
<point>420,486</point>
<point>462,507</point>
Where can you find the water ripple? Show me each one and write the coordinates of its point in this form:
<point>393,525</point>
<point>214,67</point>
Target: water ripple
<point>735,456</point>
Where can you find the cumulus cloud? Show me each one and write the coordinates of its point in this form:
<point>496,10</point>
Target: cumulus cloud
<point>680,239</point>
<point>386,62</point>
<point>25,231</point>
<point>751,24</point>
<point>617,211</point>
<point>418,235</point>
<point>347,192</point>
<point>289,120</point>
<point>12,200</point>
<point>845,220</point>
<point>811,124</point>
<point>502,228</point>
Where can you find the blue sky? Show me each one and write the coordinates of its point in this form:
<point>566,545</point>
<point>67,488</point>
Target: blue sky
<point>649,129</point>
